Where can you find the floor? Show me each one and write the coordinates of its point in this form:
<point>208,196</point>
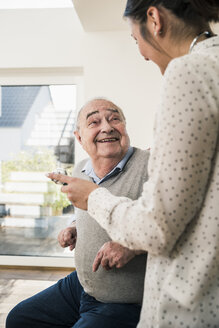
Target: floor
<point>18,284</point>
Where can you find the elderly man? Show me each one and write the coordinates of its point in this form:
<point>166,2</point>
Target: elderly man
<point>110,296</point>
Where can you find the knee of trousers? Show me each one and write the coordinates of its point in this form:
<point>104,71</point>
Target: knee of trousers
<point>13,318</point>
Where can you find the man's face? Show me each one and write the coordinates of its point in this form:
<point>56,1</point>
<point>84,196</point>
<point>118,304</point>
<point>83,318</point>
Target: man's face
<point>102,131</point>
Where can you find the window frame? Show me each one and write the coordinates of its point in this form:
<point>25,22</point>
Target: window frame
<point>42,76</point>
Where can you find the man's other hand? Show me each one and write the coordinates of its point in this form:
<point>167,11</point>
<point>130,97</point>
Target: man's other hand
<point>111,255</point>
<point>67,237</point>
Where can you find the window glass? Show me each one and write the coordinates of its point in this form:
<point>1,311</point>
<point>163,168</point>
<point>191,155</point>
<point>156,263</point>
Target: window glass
<point>36,137</point>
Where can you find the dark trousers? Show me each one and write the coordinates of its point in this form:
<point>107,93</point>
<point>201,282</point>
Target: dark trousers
<point>65,304</point>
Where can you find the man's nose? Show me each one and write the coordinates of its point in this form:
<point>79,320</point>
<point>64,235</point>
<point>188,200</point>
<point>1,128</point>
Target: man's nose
<point>106,127</point>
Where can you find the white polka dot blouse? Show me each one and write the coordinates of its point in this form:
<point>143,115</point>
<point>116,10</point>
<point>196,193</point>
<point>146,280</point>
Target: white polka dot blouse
<point>176,219</point>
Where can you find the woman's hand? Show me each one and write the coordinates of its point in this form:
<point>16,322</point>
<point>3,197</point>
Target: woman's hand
<point>77,190</point>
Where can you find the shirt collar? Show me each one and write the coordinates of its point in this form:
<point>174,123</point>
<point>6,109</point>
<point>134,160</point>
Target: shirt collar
<point>89,171</point>
<point>209,42</point>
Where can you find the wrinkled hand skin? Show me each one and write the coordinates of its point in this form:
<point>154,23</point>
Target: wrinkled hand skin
<point>111,255</point>
<point>77,190</point>
<point>68,237</point>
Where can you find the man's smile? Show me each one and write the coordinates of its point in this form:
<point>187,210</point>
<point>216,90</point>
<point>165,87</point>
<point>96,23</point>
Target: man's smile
<point>107,140</point>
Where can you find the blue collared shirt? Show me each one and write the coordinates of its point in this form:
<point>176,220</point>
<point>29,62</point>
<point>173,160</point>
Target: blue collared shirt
<point>88,168</point>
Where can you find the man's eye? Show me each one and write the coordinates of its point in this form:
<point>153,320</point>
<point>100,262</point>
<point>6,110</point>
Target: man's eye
<point>116,119</point>
<point>92,123</point>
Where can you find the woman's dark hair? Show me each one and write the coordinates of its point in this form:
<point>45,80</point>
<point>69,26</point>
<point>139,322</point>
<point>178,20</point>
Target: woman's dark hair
<point>192,12</point>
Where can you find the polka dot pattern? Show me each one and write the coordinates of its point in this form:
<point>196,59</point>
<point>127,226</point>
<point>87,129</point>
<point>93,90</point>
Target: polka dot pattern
<point>176,219</point>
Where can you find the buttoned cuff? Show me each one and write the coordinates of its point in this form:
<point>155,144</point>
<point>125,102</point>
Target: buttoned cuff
<point>100,204</point>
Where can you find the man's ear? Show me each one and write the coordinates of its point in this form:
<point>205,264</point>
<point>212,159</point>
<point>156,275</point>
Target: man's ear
<point>154,20</point>
<point>78,137</point>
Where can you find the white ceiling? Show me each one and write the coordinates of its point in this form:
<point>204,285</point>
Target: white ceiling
<point>101,15</point>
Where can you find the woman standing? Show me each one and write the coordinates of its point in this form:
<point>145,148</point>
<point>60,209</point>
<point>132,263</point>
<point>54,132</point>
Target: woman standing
<point>176,220</point>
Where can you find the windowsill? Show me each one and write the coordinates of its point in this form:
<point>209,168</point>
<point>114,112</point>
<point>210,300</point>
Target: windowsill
<point>37,261</point>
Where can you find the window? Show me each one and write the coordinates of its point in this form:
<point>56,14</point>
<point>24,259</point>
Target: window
<point>36,124</point>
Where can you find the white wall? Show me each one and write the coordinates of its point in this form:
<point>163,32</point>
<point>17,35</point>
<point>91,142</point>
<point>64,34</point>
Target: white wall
<point>40,38</point>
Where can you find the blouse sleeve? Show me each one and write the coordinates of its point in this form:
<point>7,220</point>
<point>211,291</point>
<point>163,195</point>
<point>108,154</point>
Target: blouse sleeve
<point>179,167</point>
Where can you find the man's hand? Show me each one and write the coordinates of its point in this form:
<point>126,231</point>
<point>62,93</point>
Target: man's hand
<point>77,190</point>
<point>67,237</point>
<point>112,255</point>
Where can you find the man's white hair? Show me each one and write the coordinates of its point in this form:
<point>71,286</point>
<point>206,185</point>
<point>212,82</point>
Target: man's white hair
<point>90,101</point>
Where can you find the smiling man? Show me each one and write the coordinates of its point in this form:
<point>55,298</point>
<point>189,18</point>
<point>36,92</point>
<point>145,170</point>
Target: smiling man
<point>106,289</point>
<point>101,130</point>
